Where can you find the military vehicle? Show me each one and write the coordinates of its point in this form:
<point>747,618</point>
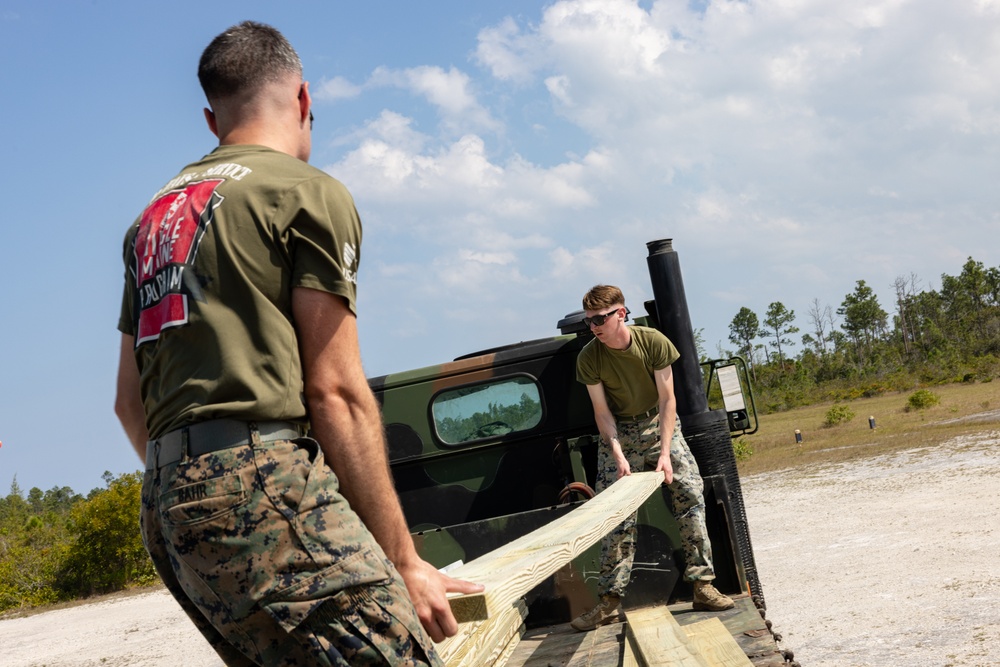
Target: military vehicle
<point>495,444</point>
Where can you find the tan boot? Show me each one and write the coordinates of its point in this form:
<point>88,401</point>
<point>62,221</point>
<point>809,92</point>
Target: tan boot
<point>707,598</point>
<point>606,611</point>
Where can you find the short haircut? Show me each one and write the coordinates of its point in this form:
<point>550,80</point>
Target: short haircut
<point>244,58</point>
<point>603,296</point>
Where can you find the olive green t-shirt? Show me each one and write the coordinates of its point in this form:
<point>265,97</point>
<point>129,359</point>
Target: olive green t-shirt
<point>627,375</point>
<point>210,267</point>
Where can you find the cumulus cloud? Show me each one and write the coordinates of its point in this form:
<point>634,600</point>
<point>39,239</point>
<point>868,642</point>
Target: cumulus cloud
<point>337,88</point>
<point>776,137</point>
<point>449,91</point>
<point>507,52</point>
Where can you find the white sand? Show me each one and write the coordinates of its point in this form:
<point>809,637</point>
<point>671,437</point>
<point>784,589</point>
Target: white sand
<point>891,561</point>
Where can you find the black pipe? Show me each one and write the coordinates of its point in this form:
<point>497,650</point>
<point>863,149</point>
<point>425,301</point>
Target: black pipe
<point>675,323</point>
<point>706,432</point>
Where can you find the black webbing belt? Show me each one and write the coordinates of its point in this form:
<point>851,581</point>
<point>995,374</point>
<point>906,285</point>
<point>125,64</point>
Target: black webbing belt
<point>211,436</point>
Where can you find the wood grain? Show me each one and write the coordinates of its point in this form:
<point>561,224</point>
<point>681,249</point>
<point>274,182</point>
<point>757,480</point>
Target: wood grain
<point>512,570</point>
<point>716,643</point>
<point>658,641</point>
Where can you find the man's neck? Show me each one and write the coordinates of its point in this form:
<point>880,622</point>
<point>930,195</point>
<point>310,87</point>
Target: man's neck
<point>621,340</point>
<point>259,136</point>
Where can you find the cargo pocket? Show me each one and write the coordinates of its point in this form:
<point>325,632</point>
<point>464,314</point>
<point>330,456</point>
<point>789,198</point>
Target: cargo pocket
<point>356,612</point>
<point>202,501</point>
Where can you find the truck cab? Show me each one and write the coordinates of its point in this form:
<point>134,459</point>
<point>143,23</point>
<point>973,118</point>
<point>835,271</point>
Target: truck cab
<point>492,445</point>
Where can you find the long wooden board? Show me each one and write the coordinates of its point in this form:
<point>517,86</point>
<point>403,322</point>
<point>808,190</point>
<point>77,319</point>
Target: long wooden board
<point>658,641</point>
<point>484,640</point>
<point>515,568</point>
<point>716,644</point>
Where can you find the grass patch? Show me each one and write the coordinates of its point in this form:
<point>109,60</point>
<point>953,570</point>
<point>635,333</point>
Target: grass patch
<point>774,446</point>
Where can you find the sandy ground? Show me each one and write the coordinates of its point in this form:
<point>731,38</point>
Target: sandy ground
<point>891,561</point>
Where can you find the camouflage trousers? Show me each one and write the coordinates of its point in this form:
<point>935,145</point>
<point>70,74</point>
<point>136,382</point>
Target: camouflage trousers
<point>272,565</point>
<point>640,443</point>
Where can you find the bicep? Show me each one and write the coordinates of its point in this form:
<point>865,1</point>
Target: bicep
<point>128,397</point>
<point>599,399</point>
<point>664,379</point>
<point>128,371</point>
<point>328,340</point>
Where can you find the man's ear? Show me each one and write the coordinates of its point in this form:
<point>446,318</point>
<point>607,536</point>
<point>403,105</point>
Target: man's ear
<point>305,102</point>
<point>210,119</point>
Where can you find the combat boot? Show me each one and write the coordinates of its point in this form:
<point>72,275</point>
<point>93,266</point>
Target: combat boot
<point>707,598</point>
<point>606,611</point>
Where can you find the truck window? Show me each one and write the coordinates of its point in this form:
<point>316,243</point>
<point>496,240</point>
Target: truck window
<point>487,410</point>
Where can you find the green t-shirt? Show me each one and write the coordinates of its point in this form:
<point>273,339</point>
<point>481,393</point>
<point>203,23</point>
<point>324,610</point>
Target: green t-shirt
<point>627,375</point>
<point>210,267</point>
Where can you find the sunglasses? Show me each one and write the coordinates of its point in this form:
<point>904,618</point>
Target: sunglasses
<point>599,320</point>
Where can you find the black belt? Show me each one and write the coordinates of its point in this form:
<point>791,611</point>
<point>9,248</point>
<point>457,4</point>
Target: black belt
<point>211,436</point>
<point>640,417</point>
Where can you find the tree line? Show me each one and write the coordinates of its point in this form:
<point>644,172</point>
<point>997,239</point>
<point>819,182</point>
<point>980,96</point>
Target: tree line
<point>58,545</point>
<point>859,349</point>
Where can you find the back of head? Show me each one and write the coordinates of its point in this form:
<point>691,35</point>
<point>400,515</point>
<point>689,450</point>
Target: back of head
<point>244,58</point>
<point>603,296</point>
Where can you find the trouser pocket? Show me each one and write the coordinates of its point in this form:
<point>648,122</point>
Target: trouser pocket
<point>355,613</point>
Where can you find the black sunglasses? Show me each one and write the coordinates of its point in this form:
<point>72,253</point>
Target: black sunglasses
<point>310,120</point>
<point>599,320</point>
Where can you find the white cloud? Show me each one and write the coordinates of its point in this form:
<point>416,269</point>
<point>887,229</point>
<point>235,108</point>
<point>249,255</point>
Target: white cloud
<point>449,91</point>
<point>796,145</point>
<point>506,52</point>
<point>337,88</point>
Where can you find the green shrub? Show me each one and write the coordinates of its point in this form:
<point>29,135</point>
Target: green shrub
<point>922,399</point>
<point>742,449</point>
<point>838,414</point>
<point>106,553</point>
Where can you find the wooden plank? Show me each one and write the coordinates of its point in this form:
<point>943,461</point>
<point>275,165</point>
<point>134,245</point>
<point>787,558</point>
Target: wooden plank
<point>629,658</point>
<point>547,646</point>
<point>484,640</point>
<point>743,622</point>
<point>658,641</point>
<point>500,659</point>
<point>515,568</point>
<point>716,644</point>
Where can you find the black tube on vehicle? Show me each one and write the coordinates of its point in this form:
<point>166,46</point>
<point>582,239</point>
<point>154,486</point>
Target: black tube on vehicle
<point>675,323</point>
<point>706,432</point>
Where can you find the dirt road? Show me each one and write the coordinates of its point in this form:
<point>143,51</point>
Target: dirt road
<point>891,561</point>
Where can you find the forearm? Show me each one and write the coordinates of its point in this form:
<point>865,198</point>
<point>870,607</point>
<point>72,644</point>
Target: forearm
<point>347,422</point>
<point>668,420</point>
<point>608,428</point>
<point>349,431</point>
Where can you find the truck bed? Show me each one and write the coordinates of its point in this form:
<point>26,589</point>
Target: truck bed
<point>561,646</point>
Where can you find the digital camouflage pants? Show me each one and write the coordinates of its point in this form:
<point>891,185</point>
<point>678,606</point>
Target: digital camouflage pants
<point>274,568</point>
<point>640,443</point>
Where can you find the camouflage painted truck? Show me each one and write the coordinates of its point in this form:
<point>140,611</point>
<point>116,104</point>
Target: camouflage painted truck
<point>496,444</point>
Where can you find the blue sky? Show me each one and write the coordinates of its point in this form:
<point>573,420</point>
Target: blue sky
<point>504,157</point>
